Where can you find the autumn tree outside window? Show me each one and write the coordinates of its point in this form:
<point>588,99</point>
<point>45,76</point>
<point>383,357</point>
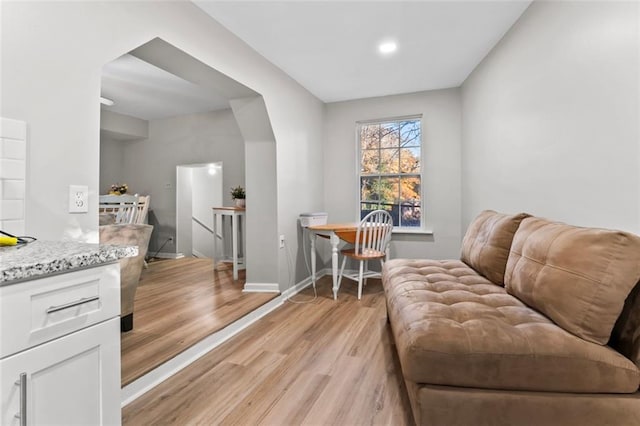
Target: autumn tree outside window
<point>391,170</point>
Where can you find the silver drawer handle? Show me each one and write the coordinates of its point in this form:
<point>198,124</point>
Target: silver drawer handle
<point>22,414</point>
<point>53,309</point>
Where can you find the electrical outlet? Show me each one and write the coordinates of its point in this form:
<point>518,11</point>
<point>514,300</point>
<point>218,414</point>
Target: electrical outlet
<point>78,199</point>
<point>281,241</point>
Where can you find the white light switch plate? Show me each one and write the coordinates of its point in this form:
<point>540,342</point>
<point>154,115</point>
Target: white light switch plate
<point>78,199</point>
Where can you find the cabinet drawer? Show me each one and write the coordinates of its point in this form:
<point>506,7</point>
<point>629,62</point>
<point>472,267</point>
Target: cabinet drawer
<point>36,311</point>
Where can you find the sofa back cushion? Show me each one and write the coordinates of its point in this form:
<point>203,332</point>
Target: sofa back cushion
<point>578,277</point>
<point>486,244</point>
<point>625,337</point>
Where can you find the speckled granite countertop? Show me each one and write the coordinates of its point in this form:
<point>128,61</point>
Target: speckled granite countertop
<point>40,258</point>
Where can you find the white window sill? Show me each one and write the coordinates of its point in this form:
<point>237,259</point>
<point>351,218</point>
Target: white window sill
<point>411,231</point>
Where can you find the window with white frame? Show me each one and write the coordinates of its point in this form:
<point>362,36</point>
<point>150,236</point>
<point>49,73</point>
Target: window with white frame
<point>390,174</point>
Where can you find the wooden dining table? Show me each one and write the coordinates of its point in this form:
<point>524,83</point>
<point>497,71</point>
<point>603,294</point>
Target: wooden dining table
<point>335,232</point>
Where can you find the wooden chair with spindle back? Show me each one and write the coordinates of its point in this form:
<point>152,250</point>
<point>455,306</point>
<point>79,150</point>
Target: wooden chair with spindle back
<point>371,243</point>
<point>142,209</point>
<point>124,208</point>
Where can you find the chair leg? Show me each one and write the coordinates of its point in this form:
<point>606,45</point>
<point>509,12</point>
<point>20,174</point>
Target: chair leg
<point>366,268</point>
<point>360,280</point>
<point>344,262</point>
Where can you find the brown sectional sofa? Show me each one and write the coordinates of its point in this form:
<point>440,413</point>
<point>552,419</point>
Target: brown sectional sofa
<point>538,324</point>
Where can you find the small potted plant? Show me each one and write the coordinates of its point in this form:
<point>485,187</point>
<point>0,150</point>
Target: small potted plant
<point>238,195</point>
<point>118,189</point>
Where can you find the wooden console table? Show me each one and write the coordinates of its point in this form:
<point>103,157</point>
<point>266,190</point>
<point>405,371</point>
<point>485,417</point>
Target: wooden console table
<point>238,224</point>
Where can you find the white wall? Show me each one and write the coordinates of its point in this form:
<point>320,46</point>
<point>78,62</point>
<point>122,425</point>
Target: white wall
<point>52,56</point>
<point>300,175</point>
<point>150,164</point>
<point>184,208</point>
<point>550,118</point>
<point>122,126</point>
<point>441,111</point>
<point>262,207</point>
<point>111,162</point>
<point>13,170</point>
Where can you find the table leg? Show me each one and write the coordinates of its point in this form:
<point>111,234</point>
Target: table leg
<point>215,240</point>
<point>334,263</point>
<point>241,226</point>
<point>312,237</point>
<point>234,238</point>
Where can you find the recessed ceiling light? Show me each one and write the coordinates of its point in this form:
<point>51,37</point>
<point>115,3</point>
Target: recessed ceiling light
<point>106,101</point>
<point>387,47</point>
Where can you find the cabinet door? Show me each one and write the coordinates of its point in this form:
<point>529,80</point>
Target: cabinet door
<point>73,380</point>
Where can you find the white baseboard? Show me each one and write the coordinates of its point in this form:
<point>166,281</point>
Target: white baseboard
<point>199,255</point>
<point>134,390</point>
<point>261,288</point>
<point>167,255</point>
<point>304,283</point>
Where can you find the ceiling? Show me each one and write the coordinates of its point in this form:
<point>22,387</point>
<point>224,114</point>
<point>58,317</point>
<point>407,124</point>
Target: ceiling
<point>145,91</point>
<point>330,48</point>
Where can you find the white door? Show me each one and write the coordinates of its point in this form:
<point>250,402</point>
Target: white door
<point>73,380</point>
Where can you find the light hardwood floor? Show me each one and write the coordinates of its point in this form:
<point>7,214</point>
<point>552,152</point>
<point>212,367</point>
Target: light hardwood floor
<point>325,363</point>
<point>178,303</point>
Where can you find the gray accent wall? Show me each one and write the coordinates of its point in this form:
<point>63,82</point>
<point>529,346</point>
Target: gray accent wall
<point>150,164</point>
<point>441,123</point>
<point>111,162</point>
<point>551,118</point>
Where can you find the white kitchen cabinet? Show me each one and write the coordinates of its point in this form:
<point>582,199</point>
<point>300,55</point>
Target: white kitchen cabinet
<point>69,371</point>
<point>64,380</point>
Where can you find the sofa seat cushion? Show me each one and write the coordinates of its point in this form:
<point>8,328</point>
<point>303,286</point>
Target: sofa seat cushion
<point>454,327</point>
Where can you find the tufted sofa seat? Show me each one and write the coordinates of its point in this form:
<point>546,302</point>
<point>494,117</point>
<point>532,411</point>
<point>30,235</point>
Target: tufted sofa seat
<point>455,327</point>
<point>537,324</point>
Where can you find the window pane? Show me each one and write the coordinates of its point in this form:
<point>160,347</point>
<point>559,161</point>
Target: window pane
<point>410,205</point>
<point>410,133</point>
<point>370,136</point>
<point>410,213</point>
<point>385,190</point>
<point>366,208</point>
<point>389,161</point>
<point>410,188</point>
<point>410,160</point>
<point>389,135</point>
<point>388,190</point>
<point>370,162</point>
<point>368,187</point>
